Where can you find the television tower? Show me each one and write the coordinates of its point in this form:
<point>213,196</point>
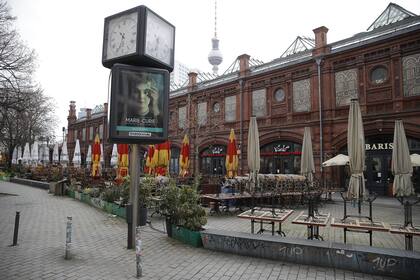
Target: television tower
<point>215,55</point>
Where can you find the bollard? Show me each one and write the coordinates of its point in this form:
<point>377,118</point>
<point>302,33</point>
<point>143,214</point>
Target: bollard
<point>129,216</point>
<point>139,264</point>
<point>16,231</point>
<point>68,238</point>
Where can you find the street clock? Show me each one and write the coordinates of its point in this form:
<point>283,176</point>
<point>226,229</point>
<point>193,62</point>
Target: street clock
<point>138,36</point>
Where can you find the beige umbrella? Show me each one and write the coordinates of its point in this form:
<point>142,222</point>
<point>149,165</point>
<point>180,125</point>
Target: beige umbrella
<point>89,157</point>
<point>55,153</point>
<point>26,158</point>
<point>64,157</point>
<point>307,166</point>
<point>253,152</point>
<point>15,155</point>
<point>76,156</point>
<point>114,156</point>
<point>35,153</point>
<point>45,154</point>
<point>356,149</point>
<point>19,154</point>
<point>401,164</point>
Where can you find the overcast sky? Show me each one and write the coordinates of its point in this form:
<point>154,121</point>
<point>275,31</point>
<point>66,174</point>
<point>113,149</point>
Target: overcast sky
<point>67,35</point>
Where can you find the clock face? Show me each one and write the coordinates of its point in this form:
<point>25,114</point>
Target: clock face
<point>279,95</point>
<point>122,36</point>
<point>159,38</point>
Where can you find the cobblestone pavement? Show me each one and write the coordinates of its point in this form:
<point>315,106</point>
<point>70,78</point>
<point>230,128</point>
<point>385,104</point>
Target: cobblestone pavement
<point>99,241</point>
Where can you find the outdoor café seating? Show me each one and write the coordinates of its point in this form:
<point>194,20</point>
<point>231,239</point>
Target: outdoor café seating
<point>273,190</point>
<point>359,223</point>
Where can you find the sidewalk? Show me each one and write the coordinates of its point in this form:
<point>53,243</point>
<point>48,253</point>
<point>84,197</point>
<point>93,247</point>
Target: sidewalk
<point>99,251</point>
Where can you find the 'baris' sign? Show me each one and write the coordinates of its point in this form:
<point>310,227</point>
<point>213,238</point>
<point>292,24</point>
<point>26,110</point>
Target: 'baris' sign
<point>379,146</point>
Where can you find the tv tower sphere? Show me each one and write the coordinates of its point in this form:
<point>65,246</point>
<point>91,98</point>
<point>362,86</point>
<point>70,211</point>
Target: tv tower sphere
<point>215,55</point>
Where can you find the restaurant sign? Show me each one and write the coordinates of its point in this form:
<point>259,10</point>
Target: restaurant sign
<point>379,146</point>
<point>281,148</point>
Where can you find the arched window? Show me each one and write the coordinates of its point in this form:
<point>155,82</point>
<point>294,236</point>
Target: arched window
<point>281,157</point>
<point>212,160</point>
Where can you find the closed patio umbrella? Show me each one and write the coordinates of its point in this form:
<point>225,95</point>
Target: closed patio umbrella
<point>14,155</point>
<point>338,160</point>
<point>184,157</point>
<point>26,158</point>
<point>101,160</point>
<point>55,153</point>
<point>401,164</point>
<point>76,156</point>
<point>35,153</point>
<point>45,154</point>
<point>253,152</point>
<point>64,158</point>
<point>122,160</point>
<point>96,158</point>
<point>19,154</point>
<point>114,156</point>
<point>89,157</point>
<point>231,156</point>
<point>150,163</point>
<point>307,165</point>
<point>356,150</point>
<point>164,151</point>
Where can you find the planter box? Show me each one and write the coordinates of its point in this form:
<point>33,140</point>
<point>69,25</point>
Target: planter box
<point>114,208</point>
<point>119,211</point>
<point>4,178</point>
<point>58,188</point>
<point>78,195</point>
<point>96,202</point>
<point>70,193</point>
<point>32,183</point>
<point>108,207</point>
<point>85,198</point>
<point>187,236</point>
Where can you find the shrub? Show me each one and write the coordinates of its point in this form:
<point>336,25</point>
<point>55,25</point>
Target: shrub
<point>111,194</point>
<point>181,206</point>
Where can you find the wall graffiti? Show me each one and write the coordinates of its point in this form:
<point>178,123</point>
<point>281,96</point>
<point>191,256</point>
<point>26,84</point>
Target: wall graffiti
<point>383,263</point>
<point>371,261</point>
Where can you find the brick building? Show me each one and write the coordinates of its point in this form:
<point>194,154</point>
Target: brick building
<point>84,127</point>
<point>311,84</point>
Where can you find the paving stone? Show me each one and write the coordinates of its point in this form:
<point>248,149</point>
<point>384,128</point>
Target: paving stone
<point>99,244</point>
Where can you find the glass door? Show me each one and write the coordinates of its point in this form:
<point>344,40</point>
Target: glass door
<point>378,173</point>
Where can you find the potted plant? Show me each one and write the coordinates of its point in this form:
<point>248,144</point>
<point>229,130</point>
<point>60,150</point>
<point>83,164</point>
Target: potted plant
<point>182,208</point>
<point>169,205</point>
<point>109,195</point>
<point>55,179</point>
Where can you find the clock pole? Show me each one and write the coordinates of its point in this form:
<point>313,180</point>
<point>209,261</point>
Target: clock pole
<point>134,191</point>
<point>128,48</point>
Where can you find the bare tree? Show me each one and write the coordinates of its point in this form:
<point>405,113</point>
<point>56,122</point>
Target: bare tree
<point>16,59</point>
<point>25,112</point>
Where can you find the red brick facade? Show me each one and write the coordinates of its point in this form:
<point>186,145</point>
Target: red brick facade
<point>381,102</point>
